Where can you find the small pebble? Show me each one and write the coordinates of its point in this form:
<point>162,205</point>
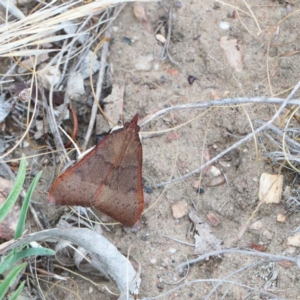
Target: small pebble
<point>270,188</point>
<point>213,219</point>
<point>179,209</point>
<point>226,94</point>
<point>153,261</point>
<point>224,25</point>
<point>172,250</point>
<point>215,171</point>
<point>281,218</point>
<point>219,180</point>
<point>161,38</point>
<point>173,72</point>
<point>291,250</point>
<point>294,240</point>
<point>257,225</point>
<point>156,66</point>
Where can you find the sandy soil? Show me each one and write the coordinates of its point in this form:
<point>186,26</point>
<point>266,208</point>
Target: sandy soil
<point>195,45</point>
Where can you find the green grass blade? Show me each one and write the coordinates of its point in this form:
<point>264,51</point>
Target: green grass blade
<point>17,292</point>
<point>8,262</point>
<point>25,205</point>
<point>9,280</point>
<point>15,192</point>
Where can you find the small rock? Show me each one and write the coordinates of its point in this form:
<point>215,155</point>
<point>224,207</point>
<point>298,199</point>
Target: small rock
<point>213,219</point>
<point>270,188</point>
<point>179,209</point>
<point>173,72</point>
<point>257,225</point>
<point>291,250</point>
<point>294,240</point>
<point>286,264</point>
<point>219,180</point>
<point>226,94</point>
<point>161,38</point>
<point>224,25</point>
<point>135,79</point>
<point>281,218</point>
<point>215,171</point>
<point>258,247</point>
<point>246,149</point>
<point>267,234</point>
<point>172,250</point>
<point>153,261</point>
<point>156,66</point>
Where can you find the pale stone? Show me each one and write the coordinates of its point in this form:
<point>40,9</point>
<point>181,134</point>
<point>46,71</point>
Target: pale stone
<point>294,240</point>
<point>270,188</point>
<point>281,218</point>
<point>179,209</point>
<point>257,225</point>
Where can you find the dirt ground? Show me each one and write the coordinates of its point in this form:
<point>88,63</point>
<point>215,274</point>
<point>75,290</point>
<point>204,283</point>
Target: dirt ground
<point>269,67</point>
<point>195,45</point>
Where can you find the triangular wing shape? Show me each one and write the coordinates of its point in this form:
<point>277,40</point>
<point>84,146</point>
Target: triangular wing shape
<point>108,178</point>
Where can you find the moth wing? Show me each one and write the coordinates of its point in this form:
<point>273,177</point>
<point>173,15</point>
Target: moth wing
<point>121,193</point>
<point>79,184</point>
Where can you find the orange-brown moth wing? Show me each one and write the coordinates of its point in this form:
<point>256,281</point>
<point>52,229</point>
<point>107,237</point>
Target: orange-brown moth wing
<point>108,178</point>
<point>123,182</point>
